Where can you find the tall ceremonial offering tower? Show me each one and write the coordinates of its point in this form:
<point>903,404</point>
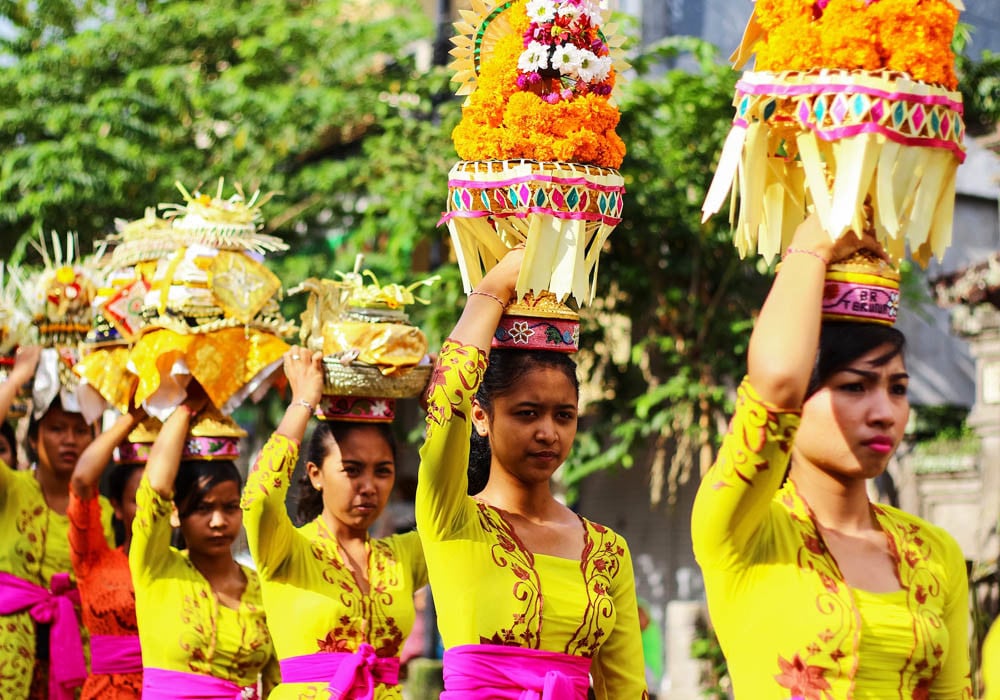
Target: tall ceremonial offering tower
<point>851,112</point>
<point>540,152</point>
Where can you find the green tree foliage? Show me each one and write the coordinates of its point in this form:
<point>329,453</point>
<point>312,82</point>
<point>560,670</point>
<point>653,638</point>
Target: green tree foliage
<point>687,296</point>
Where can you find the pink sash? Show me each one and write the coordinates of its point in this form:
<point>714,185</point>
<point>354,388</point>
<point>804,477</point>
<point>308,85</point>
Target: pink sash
<point>351,676</point>
<point>474,671</point>
<point>115,654</point>
<point>67,668</point>
<point>161,684</point>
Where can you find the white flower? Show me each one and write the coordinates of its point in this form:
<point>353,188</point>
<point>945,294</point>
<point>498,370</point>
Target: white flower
<point>534,58</point>
<point>380,408</point>
<point>541,10</point>
<point>592,9</point>
<point>593,68</point>
<point>567,59</point>
<point>520,332</point>
<point>568,9</point>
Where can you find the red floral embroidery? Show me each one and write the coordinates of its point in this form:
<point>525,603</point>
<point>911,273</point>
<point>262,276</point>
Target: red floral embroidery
<point>802,679</point>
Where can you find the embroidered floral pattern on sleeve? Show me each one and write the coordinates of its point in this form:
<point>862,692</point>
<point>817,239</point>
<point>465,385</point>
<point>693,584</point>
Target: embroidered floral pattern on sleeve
<point>743,453</point>
<point>272,472</point>
<point>457,375</point>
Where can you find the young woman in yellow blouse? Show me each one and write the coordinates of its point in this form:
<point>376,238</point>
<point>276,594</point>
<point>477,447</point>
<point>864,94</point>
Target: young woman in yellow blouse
<point>816,592</point>
<point>201,619</point>
<point>531,598</point>
<point>36,575</point>
<point>339,603</point>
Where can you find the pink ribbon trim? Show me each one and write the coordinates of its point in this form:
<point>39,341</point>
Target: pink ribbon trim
<point>163,684</point>
<point>491,184</point>
<point>55,607</point>
<point>475,671</point>
<point>818,88</point>
<point>524,213</point>
<point>350,676</point>
<point>115,654</point>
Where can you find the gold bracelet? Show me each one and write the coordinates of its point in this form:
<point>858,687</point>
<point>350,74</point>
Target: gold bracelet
<point>494,297</point>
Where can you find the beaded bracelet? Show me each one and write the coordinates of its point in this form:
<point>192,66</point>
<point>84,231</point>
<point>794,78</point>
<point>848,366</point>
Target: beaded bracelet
<point>303,402</point>
<point>494,297</point>
<point>805,251</point>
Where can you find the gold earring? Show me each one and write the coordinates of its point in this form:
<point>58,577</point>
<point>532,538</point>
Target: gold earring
<point>317,487</point>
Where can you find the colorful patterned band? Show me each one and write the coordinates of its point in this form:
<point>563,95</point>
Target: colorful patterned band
<point>837,104</point>
<point>533,333</point>
<point>195,448</point>
<point>359,409</point>
<point>853,296</point>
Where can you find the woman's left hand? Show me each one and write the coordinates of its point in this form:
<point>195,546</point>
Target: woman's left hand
<point>304,369</point>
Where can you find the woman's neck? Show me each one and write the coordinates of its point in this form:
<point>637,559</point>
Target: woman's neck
<point>532,501</point>
<point>837,503</point>
<point>55,489</point>
<point>213,566</point>
<point>343,533</point>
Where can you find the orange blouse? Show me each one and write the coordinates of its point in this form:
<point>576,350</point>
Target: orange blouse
<point>106,593</point>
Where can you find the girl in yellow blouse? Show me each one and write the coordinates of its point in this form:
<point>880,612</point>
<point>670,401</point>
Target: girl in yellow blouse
<point>36,575</point>
<point>530,596</point>
<point>339,603</point>
<point>201,620</point>
<point>816,592</point>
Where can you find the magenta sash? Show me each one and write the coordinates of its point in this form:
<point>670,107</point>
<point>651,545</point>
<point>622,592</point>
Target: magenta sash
<point>67,668</point>
<point>115,654</point>
<point>161,684</point>
<point>473,671</point>
<point>350,676</point>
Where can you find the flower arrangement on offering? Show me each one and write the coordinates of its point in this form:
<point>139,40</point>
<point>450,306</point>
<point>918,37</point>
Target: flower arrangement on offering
<point>211,436</point>
<point>372,355</point>
<point>59,299</point>
<point>852,103</point>
<point>210,311</point>
<point>539,148</point>
<point>15,329</point>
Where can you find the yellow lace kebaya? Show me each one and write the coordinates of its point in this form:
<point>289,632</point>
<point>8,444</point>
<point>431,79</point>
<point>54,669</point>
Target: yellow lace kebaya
<point>182,625</point>
<point>34,547</point>
<point>788,623</point>
<point>312,600</point>
<point>488,588</point>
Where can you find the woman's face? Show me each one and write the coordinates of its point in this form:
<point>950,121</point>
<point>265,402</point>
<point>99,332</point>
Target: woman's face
<point>356,478</point>
<point>61,438</point>
<point>532,426</point>
<point>854,422</point>
<point>212,527</point>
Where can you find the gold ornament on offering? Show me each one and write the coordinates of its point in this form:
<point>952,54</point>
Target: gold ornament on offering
<point>372,354</point>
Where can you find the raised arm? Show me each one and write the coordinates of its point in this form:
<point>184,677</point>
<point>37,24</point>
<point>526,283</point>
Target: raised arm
<point>98,454</point>
<point>270,532</point>
<point>25,363</point>
<point>735,495</point>
<point>168,448</point>
<point>444,457</point>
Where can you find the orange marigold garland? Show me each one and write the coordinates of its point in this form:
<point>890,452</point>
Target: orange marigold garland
<point>530,114</point>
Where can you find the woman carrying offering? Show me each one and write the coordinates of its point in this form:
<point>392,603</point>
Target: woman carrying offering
<point>340,603</point>
<point>107,596</point>
<point>201,619</point>
<point>37,592</point>
<point>495,558</point>
<point>816,592</point>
